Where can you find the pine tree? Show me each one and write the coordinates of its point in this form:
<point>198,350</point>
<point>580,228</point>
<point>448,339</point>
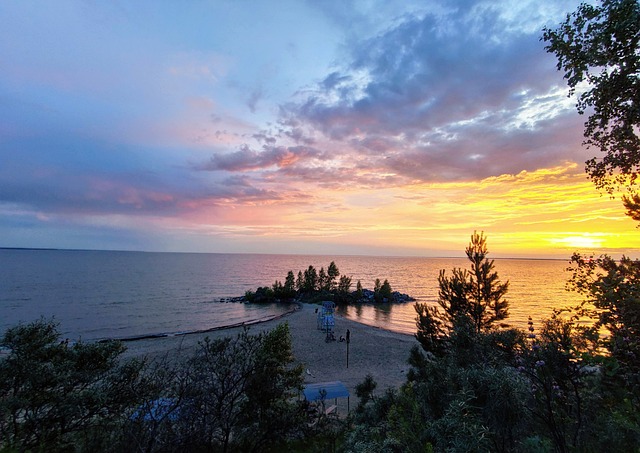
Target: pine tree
<point>472,297</point>
<point>332,274</point>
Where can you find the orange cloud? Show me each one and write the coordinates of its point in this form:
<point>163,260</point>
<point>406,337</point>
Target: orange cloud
<point>550,212</point>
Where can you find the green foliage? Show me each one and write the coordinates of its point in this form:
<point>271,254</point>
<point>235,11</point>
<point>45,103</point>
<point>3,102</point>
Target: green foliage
<point>570,386</point>
<point>448,404</point>
<point>312,286</point>
<point>277,293</point>
<point>472,297</point>
<point>364,390</point>
<point>299,282</point>
<point>272,413</point>
<point>471,396</point>
<point>382,291</point>
<point>332,273</point>
<point>599,45</point>
<point>344,285</point>
<point>55,395</point>
<point>310,283</point>
<point>379,424</point>
<point>632,204</point>
<point>233,394</point>
<point>557,379</point>
<point>430,332</point>
<point>343,292</point>
<point>476,295</point>
<point>323,280</point>
<point>612,300</point>
<point>564,388</point>
<point>290,285</point>
<point>385,291</point>
<point>263,294</point>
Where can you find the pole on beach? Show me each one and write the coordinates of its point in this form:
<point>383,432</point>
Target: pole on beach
<point>348,341</point>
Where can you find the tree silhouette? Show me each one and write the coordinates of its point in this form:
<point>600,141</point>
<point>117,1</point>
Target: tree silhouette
<point>473,297</point>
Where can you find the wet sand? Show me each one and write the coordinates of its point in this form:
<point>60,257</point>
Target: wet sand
<point>378,352</point>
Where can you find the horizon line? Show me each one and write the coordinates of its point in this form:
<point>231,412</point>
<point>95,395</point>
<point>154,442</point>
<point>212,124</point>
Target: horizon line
<point>462,256</point>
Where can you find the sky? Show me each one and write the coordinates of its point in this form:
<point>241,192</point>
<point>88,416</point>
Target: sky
<point>367,127</point>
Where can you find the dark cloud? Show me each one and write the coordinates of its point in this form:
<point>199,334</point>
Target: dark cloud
<point>240,190</point>
<point>64,193</point>
<point>247,159</point>
<point>484,149</point>
<point>56,191</point>
<point>443,97</point>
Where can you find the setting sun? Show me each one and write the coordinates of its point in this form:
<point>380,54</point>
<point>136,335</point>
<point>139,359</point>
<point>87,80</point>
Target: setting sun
<point>584,241</point>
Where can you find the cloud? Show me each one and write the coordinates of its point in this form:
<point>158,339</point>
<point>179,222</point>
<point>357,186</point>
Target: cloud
<point>422,76</point>
<point>370,123</point>
<point>453,95</point>
<point>247,159</point>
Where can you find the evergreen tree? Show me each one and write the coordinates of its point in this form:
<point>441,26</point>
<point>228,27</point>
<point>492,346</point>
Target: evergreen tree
<point>332,274</point>
<point>272,411</point>
<point>474,297</point>
<point>359,290</point>
<point>486,302</point>
<point>344,285</point>
<point>56,396</point>
<point>300,282</point>
<point>376,290</point>
<point>310,280</point>
<point>290,285</point>
<point>323,280</point>
<point>386,291</point>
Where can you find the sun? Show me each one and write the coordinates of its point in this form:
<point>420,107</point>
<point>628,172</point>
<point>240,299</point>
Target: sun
<point>584,241</point>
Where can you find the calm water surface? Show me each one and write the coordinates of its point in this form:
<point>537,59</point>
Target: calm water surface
<point>98,294</point>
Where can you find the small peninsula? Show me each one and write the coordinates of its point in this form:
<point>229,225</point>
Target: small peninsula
<point>313,286</point>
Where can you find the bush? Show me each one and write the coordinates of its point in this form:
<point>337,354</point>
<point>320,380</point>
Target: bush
<point>56,396</point>
<point>233,394</point>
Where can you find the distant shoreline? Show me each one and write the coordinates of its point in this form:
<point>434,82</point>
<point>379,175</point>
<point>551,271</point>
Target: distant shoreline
<point>437,257</point>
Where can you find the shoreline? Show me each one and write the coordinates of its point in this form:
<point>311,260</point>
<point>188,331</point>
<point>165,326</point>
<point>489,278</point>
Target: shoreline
<point>373,350</point>
<point>149,336</point>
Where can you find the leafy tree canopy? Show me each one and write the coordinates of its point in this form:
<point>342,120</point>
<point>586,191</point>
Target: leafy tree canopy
<point>598,46</point>
<point>54,395</point>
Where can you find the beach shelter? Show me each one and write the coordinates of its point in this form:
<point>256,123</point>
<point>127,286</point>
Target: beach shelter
<point>333,389</point>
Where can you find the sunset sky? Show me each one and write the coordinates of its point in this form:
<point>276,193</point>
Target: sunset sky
<point>370,127</point>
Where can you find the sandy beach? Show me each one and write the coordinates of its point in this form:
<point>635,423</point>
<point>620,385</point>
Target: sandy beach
<point>378,352</point>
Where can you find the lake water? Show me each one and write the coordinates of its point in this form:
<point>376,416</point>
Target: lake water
<point>101,294</point>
